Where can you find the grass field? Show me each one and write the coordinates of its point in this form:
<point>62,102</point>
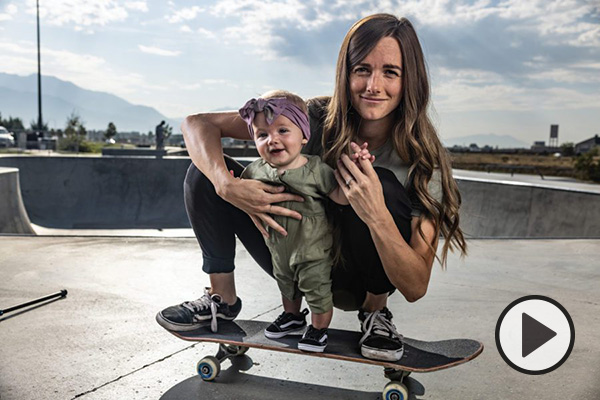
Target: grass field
<point>517,163</point>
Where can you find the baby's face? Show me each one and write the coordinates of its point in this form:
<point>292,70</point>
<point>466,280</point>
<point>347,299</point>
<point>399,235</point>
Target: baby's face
<point>280,143</point>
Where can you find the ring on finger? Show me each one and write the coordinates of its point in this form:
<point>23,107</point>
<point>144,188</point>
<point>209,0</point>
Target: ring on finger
<point>349,181</point>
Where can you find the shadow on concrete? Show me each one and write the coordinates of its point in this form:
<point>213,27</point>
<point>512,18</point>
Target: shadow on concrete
<point>234,383</point>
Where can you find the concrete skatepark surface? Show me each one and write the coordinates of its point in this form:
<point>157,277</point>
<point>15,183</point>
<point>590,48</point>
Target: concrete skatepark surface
<point>102,342</point>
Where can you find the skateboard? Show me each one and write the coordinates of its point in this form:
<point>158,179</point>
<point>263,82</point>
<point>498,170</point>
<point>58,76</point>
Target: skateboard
<point>236,337</point>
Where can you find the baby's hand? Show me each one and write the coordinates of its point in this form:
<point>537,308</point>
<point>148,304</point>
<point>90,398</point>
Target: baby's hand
<point>360,152</point>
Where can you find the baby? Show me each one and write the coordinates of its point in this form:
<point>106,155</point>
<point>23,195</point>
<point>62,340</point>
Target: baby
<point>302,260</point>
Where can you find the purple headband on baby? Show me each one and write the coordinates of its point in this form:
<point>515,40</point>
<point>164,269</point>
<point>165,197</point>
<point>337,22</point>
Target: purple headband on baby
<point>273,108</point>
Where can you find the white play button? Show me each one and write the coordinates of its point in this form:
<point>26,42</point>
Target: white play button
<point>535,335</point>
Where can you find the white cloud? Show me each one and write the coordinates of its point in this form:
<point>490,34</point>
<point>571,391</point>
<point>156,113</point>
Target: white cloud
<point>260,22</point>
<point>540,68</point>
<point>469,76</point>
<point>564,75</point>
<point>79,13</point>
<point>203,84</point>
<point>9,11</point>
<point>158,51</point>
<point>137,6</point>
<point>456,96</point>
<point>556,21</point>
<point>85,70</point>
<point>206,33</point>
<point>586,64</point>
<point>185,14</point>
<point>219,82</point>
<point>263,23</point>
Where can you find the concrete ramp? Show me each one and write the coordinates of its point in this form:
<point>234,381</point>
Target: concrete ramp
<point>13,216</point>
<point>522,210</point>
<point>103,192</point>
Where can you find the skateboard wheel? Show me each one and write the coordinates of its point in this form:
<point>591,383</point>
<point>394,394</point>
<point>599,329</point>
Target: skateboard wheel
<point>395,391</point>
<point>208,368</point>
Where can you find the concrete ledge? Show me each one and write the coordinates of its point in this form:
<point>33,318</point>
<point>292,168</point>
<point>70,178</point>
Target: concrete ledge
<point>13,216</point>
<point>133,152</point>
<point>103,192</point>
<point>491,209</point>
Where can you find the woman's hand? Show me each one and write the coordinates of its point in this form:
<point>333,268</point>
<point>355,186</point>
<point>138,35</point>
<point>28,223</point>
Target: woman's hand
<point>256,199</point>
<point>362,188</point>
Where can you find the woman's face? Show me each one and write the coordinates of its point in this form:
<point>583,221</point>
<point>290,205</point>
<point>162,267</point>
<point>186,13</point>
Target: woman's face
<point>376,82</point>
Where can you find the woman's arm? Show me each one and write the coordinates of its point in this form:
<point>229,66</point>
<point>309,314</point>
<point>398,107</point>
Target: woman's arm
<point>202,134</point>
<point>407,265</point>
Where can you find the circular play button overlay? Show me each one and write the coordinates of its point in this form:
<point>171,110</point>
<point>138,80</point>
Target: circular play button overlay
<point>535,334</point>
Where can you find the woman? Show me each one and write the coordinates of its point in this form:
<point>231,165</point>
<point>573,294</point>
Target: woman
<point>399,206</point>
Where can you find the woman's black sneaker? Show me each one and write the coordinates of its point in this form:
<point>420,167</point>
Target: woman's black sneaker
<point>380,340</point>
<point>314,340</point>
<point>191,315</point>
<point>287,324</point>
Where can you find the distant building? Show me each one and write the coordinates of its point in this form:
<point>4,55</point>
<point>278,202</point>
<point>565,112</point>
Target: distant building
<point>587,145</point>
<point>541,148</point>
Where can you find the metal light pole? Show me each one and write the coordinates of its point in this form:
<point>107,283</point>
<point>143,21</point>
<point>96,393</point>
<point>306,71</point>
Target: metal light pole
<point>40,124</point>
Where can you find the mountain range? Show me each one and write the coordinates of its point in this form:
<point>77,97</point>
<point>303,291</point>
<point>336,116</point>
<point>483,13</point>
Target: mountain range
<point>490,139</point>
<point>18,98</point>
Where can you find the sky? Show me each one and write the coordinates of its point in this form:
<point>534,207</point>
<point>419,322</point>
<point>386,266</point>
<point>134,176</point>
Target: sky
<point>496,67</point>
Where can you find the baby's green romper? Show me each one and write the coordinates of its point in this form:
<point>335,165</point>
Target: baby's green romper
<point>302,259</point>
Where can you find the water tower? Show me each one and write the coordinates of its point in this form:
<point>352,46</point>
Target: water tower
<point>553,142</point>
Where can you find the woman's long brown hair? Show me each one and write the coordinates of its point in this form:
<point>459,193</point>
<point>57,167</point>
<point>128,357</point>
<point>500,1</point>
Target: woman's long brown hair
<point>414,136</point>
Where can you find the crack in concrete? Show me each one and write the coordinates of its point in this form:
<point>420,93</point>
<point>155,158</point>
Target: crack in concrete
<point>133,372</point>
<point>266,312</point>
<point>157,361</point>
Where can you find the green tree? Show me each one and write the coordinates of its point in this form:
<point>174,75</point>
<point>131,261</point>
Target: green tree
<point>33,125</point>
<point>588,165</point>
<point>567,149</point>
<point>74,134</point>
<point>12,124</point>
<point>111,131</point>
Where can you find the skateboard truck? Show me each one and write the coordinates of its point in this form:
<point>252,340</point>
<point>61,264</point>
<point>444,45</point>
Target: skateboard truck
<point>210,366</point>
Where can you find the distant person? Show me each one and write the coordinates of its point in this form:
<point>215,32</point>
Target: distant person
<point>160,136</point>
<point>400,204</point>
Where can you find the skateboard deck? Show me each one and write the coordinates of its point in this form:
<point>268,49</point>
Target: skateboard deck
<point>236,337</point>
